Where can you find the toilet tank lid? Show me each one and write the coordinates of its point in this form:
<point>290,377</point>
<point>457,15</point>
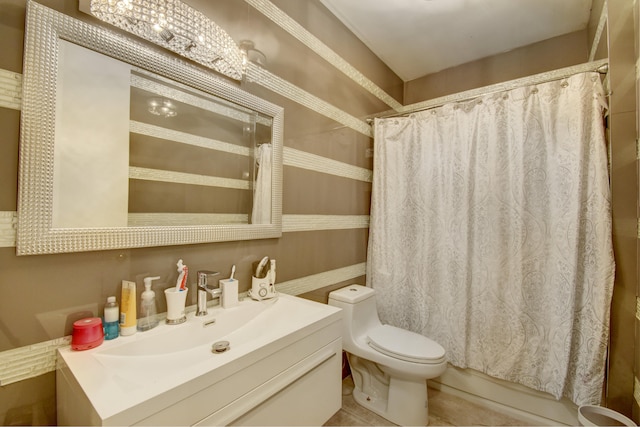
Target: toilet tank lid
<point>352,294</point>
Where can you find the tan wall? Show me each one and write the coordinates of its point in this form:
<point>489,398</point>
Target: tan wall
<point>617,44</point>
<point>636,402</point>
<point>624,187</point>
<point>33,285</point>
<point>558,52</point>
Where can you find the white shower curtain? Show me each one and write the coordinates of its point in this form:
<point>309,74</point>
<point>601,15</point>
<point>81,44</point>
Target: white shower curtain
<point>491,233</point>
<point>261,212</point>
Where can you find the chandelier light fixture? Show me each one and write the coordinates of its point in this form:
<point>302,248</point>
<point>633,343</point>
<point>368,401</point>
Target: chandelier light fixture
<point>177,27</point>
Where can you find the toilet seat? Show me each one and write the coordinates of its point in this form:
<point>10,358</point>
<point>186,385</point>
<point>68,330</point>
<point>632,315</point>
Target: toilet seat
<point>405,345</point>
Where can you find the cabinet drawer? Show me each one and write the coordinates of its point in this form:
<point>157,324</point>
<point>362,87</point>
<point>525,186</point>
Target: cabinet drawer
<point>308,393</point>
<point>226,400</point>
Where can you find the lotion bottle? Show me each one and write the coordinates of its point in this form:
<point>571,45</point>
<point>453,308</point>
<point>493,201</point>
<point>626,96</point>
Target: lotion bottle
<point>128,309</point>
<point>148,311</point>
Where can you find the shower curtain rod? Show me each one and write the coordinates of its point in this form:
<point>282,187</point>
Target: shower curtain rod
<point>601,66</point>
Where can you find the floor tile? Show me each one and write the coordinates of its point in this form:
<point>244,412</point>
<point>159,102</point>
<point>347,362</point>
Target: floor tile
<point>444,410</point>
<point>460,412</point>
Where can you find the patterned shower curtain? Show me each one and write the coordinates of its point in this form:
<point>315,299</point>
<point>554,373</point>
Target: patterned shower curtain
<point>491,233</point>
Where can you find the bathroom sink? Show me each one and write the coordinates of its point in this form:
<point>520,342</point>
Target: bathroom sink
<point>157,377</point>
<point>153,357</point>
<point>199,331</point>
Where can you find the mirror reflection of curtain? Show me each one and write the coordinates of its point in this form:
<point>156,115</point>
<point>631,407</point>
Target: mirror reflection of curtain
<point>261,213</point>
<point>491,233</point>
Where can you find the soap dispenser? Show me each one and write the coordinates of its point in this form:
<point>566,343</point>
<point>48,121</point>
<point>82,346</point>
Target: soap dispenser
<point>148,312</point>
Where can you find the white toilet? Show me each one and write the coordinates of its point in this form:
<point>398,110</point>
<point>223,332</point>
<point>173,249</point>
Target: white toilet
<point>389,365</point>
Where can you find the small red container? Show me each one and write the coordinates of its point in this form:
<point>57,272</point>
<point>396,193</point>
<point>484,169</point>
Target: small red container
<point>87,333</point>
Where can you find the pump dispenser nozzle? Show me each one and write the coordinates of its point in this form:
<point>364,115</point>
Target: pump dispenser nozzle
<point>147,282</point>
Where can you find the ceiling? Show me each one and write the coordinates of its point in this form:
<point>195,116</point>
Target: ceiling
<point>419,37</point>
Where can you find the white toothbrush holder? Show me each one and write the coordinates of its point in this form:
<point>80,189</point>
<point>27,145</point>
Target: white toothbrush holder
<point>176,301</point>
<point>229,289</point>
<point>262,289</point>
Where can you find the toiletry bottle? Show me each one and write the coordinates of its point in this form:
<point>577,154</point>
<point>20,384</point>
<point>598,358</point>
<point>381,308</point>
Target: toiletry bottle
<point>148,312</point>
<point>111,319</point>
<point>128,309</point>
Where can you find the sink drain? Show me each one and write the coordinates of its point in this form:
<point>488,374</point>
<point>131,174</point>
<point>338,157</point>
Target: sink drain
<point>220,347</point>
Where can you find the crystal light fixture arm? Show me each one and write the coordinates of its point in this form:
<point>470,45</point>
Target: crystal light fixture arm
<point>174,26</point>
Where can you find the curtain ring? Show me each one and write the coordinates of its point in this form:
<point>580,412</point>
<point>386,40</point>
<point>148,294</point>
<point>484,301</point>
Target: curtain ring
<point>534,90</point>
<point>565,84</point>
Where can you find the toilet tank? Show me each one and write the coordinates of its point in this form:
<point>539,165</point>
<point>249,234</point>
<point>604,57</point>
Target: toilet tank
<point>352,294</point>
<point>359,311</point>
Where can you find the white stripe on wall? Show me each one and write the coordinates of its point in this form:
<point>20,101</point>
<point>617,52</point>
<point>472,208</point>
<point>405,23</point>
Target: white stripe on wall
<point>30,361</point>
<point>294,223</point>
<point>8,222</point>
<point>37,359</point>
<point>186,178</point>
<point>10,89</point>
<point>321,280</point>
<point>171,89</point>
<point>186,138</point>
<point>282,87</point>
<point>304,160</point>
<point>288,24</point>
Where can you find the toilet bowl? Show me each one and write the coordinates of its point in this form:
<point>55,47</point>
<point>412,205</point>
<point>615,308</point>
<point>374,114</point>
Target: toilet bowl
<point>389,365</point>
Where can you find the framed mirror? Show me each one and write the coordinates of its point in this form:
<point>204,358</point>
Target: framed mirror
<point>126,146</point>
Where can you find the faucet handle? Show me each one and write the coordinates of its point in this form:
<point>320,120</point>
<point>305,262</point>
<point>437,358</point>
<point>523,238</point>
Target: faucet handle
<point>203,276</point>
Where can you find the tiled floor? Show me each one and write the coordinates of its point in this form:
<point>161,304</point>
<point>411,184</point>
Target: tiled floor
<point>444,410</point>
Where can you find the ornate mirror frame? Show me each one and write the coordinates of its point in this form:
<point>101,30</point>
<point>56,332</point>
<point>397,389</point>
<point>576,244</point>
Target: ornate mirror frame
<point>35,234</point>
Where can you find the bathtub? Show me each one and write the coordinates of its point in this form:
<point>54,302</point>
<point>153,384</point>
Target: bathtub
<point>531,406</point>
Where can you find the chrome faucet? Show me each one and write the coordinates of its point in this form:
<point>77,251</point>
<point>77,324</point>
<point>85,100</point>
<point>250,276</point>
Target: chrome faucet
<point>203,289</point>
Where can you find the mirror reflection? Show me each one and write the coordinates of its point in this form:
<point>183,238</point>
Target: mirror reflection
<point>136,149</point>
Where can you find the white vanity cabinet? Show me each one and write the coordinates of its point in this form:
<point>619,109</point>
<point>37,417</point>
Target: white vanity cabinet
<point>303,394</point>
<point>290,378</point>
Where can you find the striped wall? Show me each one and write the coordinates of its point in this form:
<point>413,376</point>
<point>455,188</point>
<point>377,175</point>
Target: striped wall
<point>28,361</point>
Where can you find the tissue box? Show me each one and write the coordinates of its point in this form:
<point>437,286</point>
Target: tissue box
<point>229,293</point>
